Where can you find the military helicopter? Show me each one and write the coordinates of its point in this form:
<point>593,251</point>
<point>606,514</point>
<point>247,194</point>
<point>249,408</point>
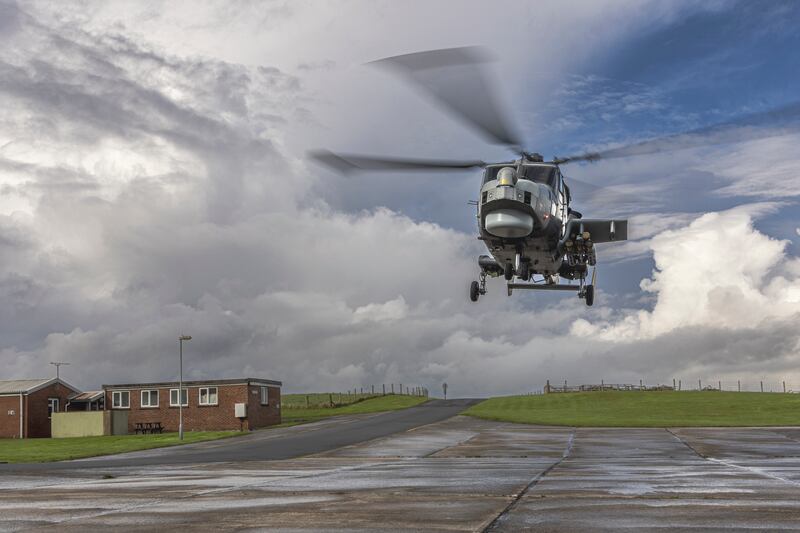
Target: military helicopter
<point>523,208</point>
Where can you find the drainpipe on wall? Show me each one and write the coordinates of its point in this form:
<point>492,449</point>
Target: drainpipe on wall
<point>20,417</point>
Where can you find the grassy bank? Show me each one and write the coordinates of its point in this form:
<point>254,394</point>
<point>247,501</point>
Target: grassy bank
<point>46,450</point>
<point>321,399</point>
<point>645,409</point>
<point>390,402</point>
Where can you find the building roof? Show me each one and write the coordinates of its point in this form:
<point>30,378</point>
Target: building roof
<point>240,381</point>
<point>27,386</point>
<point>88,396</point>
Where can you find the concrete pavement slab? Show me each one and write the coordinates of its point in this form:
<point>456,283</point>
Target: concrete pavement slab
<point>459,474</point>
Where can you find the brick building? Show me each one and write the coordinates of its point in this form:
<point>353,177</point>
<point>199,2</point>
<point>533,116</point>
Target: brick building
<point>207,405</point>
<point>26,405</point>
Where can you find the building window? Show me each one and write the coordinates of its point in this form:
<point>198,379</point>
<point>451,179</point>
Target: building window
<point>149,398</point>
<point>52,406</point>
<point>264,395</point>
<point>208,396</point>
<point>120,399</point>
<point>173,397</point>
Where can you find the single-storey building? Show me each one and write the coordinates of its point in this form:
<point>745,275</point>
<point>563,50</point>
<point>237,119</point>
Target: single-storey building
<point>26,405</point>
<point>213,405</point>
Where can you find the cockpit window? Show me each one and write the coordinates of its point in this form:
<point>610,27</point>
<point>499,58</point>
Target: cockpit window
<point>491,172</point>
<point>540,174</point>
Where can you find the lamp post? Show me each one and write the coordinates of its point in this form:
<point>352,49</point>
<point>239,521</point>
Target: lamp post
<point>180,385</point>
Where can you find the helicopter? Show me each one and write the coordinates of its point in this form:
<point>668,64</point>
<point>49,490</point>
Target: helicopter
<point>523,208</point>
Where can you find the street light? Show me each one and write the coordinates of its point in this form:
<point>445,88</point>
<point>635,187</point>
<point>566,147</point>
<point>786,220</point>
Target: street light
<point>180,385</point>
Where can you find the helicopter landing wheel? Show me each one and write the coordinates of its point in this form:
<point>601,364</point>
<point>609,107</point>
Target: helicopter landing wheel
<point>474,291</point>
<point>589,295</point>
<point>525,271</point>
<point>509,272</point>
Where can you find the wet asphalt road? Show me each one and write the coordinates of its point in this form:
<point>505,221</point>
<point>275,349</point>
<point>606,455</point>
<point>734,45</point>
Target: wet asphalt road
<point>459,474</point>
<point>272,444</point>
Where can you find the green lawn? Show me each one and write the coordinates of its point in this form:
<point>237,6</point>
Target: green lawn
<point>390,402</point>
<point>645,409</point>
<point>45,450</point>
<point>321,399</point>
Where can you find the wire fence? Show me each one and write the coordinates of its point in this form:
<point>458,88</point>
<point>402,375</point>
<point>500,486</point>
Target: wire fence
<point>677,385</point>
<point>324,400</point>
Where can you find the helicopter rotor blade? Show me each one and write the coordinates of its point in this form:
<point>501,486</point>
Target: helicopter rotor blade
<point>603,194</point>
<point>348,163</point>
<point>456,79</point>
<point>772,123</point>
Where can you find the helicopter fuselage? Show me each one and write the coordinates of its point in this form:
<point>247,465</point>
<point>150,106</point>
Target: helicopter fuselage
<point>524,216</point>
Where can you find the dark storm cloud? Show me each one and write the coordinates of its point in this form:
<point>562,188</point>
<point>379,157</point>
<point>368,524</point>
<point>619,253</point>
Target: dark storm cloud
<point>146,194</point>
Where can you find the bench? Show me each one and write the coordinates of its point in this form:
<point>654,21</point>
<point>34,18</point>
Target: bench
<point>148,427</point>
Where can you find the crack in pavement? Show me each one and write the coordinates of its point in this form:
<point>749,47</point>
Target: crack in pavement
<point>536,479</point>
<point>749,469</point>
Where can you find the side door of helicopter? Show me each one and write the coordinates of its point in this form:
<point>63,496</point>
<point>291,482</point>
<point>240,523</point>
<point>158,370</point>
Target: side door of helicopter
<point>562,199</point>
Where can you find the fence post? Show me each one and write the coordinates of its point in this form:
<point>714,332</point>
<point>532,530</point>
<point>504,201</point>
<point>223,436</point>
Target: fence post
<point>720,385</point>
<point>547,387</point>
<point>602,386</point>
<point>384,389</point>
<point>699,385</point>
<point>762,386</point>
<point>673,384</point>
<point>784,386</point>
<point>739,385</point>
<point>640,384</point>
<point>565,385</point>
<point>373,389</point>
<point>679,384</point>
<point>330,399</point>
<point>306,401</point>
<point>401,389</point>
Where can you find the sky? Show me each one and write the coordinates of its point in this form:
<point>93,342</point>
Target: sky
<point>154,182</point>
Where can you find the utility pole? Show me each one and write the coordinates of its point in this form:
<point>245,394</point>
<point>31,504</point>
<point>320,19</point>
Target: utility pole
<point>58,365</point>
<point>180,385</point>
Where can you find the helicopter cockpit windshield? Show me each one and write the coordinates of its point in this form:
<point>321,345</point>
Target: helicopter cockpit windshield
<point>540,174</point>
<point>545,174</point>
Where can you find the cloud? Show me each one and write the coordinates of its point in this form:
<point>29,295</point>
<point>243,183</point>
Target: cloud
<point>718,272</point>
<point>149,189</point>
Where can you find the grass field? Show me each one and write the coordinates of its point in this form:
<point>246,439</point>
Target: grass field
<point>390,402</point>
<point>321,399</point>
<point>645,409</point>
<point>45,450</point>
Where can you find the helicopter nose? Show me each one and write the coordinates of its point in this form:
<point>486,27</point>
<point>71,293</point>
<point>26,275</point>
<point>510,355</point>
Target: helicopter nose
<point>509,223</point>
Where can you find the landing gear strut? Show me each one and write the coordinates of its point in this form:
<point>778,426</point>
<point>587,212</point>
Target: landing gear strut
<point>587,291</point>
<point>476,288</point>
